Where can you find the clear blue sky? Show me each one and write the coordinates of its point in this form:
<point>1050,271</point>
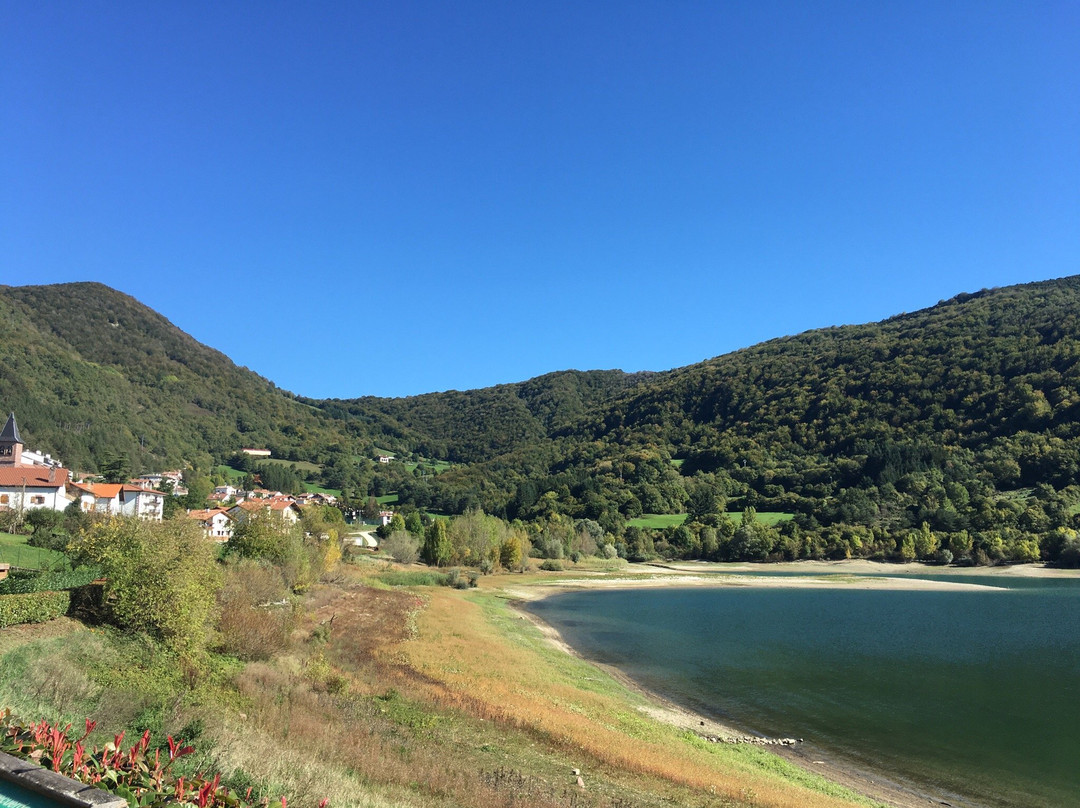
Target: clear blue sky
<point>366,198</point>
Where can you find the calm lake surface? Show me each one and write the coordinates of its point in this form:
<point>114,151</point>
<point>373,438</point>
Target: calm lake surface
<point>974,694</point>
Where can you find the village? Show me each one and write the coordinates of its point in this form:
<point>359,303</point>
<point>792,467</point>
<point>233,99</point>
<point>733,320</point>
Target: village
<point>31,480</point>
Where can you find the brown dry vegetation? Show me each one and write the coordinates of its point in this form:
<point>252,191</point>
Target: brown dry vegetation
<point>438,697</point>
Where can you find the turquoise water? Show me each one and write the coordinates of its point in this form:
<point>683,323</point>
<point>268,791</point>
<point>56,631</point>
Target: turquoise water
<point>969,693</point>
<point>15,796</point>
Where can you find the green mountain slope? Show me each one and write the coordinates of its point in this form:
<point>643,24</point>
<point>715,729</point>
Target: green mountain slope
<point>964,416</point>
<point>91,372</point>
<point>474,425</point>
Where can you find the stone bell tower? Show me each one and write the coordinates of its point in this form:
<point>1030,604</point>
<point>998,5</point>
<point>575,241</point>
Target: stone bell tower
<point>11,445</point>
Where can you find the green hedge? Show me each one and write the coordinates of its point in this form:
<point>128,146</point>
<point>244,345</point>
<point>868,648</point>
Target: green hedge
<point>21,584</point>
<point>36,607</point>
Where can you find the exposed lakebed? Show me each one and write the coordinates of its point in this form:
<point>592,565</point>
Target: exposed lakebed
<point>971,693</point>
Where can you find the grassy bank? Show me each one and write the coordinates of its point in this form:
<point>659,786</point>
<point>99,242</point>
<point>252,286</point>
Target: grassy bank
<point>15,551</point>
<point>400,695</point>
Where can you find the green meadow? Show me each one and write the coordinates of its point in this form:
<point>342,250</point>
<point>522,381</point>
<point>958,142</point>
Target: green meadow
<point>15,551</point>
<point>659,521</point>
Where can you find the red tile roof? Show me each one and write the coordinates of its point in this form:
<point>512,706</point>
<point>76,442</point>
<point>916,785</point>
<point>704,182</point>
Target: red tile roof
<point>206,516</point>
<point>33,477</point>
<point>146,491</point>
<point>101,490</point>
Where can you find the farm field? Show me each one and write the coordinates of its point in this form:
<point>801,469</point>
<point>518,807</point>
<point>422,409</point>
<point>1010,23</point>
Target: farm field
<point>659,521</point>
<point>301,465</point>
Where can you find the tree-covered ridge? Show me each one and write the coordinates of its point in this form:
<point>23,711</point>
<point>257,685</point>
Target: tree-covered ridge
<point>953,428</point>
<point>476,425</point>
<point>969,374</point>
<point>962,417</point>
<point>93,374</point>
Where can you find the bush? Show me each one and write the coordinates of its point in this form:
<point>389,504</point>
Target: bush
<point>36,607</point>
<point>413,578</point>
<point>552,565</point>
<point>17,584</point>
<point>256,616</point>
<point>402,547</point>
<point>162,577</point>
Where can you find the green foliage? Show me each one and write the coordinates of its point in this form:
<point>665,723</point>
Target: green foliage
<point>437,549</point>
<point>35,607</point>
<point>144,780</point>
<point>412,578</point>
<point>161,577</point>
<point>264,535</point>
<point>49,581</point>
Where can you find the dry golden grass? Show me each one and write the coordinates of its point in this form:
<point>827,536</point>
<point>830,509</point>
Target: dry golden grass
<point>335,720</point>
<point>468,663</point>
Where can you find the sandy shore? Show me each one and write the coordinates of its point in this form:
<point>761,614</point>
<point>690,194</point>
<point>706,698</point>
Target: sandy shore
<point>819,575</point>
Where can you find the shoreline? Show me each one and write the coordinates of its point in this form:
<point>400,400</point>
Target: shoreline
<point>879,786</point>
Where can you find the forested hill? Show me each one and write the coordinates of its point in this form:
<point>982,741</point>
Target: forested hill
<point>975,373</point>
<point>964,416</point>
<point>92,374</point>
<point>960,423</point>
<point>475,425</point>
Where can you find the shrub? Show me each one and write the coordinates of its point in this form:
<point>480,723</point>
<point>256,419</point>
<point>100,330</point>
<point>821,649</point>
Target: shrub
<point>35,607</point>
<point>552,565</point>
<point>162,577</point>
<point>17,584</point>
<point>413,578</point>
<point>256,616</point>
<point>402,547</point>
<point>140,778</point>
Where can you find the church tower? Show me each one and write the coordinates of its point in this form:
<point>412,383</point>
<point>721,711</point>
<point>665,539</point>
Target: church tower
<point>11,445</point>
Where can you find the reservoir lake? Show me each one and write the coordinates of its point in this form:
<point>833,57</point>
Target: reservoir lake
<point>972,694</point>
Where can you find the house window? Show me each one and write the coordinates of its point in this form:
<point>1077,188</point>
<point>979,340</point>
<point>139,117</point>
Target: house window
<point>37,499</point>
<point>4,499</point>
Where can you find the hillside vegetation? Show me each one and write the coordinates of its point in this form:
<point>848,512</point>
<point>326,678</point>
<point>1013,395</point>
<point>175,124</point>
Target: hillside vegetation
<point>948,433</point>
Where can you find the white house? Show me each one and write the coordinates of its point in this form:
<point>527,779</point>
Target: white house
<point>23,487</point>
<point>285,509</point>
<point>216,522</point>
<point>119,500</point>
<point>28,485</point>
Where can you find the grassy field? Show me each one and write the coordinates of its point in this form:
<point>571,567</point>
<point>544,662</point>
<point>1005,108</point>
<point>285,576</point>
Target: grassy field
<point>230,473</point>
<point>659,521</point>
<point>311,488</point>
<point>15,551</point>
<point>387,499</point>
<point>301,465</point>
<point>439,466</point>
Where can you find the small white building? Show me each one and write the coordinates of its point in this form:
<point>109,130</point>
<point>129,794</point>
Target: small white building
<point>216,522</point>
<point>23,487</point>
<point>28,484</point>
<point>119,500</point>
